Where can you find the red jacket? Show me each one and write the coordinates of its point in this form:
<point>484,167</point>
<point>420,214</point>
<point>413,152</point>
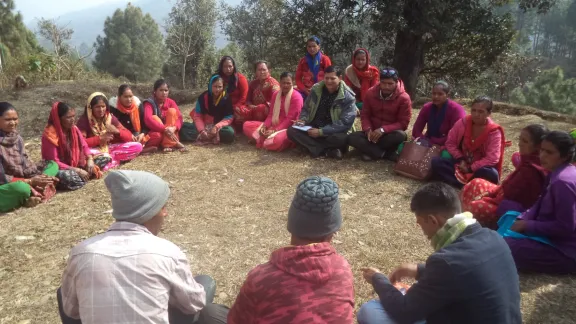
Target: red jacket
<point>240,94</point>
<point>391,114</point>
<point>304,78</point>
<point>300,284</point>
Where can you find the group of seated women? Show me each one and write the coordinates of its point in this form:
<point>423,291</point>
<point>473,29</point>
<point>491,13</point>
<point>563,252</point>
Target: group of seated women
<point>542,189</point>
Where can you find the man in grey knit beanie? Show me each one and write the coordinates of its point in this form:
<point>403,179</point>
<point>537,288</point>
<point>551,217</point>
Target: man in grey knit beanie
<point>149,276</point>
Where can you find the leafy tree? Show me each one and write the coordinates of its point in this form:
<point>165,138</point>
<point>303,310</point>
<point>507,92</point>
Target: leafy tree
<point>132,46</point>
<point>15,38</point>
<point>549,91</point>
<point>190,30</point>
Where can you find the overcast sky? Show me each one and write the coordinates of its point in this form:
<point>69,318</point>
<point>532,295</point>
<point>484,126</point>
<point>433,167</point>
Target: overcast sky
<point>32,9</point>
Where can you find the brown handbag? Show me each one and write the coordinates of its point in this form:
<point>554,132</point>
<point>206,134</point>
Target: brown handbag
<point>415,161</point>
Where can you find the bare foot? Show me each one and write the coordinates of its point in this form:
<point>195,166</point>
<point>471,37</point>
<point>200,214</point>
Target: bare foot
<point>167,150</point>
<point>180,147</point>
<point>32,202</point>
<point>149,150</point>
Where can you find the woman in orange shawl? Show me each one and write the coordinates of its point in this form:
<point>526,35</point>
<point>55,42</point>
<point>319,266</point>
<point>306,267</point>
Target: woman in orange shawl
<point>260,93</point>
<point>125,108</point>
<point>360,75</point>
<point>63,143</point>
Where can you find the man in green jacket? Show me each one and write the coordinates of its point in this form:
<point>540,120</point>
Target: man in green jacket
<point>327,116</point>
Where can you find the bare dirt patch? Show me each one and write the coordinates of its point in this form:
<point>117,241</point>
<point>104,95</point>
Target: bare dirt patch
<point>228,208</point>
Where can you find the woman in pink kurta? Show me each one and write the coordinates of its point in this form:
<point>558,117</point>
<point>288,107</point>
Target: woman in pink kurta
<point>286,106</point>
<point>163,119</point>
<point>259,98</point>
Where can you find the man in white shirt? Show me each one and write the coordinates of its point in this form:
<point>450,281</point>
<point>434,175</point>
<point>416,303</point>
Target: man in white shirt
<point>129,274</point>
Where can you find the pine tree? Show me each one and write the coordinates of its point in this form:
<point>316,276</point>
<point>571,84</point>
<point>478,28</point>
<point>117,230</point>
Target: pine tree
<point>132,46</point>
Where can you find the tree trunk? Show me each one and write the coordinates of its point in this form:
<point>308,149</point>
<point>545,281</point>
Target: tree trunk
<point>184,73</point>
<point>409,58</point>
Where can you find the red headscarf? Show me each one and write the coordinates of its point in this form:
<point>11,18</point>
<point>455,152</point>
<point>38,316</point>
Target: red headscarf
<point>361,79</point>
<point>55,134</point>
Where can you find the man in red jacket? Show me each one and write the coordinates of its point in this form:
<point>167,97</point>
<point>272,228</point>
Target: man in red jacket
<point>385,116</point>
<point>307,281</point>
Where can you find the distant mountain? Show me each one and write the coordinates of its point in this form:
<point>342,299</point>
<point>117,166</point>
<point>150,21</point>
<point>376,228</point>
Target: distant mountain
<point>89,23</point>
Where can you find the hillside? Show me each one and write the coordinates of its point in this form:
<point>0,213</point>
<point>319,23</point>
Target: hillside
<point>89,23</point>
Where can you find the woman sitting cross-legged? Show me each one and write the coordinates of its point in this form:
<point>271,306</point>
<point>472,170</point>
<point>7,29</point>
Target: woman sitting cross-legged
<point>476,145</point>
<point>63,143</point>
<point>126,108</point>
<point>518,192</point>
<point>553,216</point>
<point>105,134</point>
<point>259,95</point>
<point>22,182</point>
<point>438,117</point>
<point>360,76</point>
<point>163,119</point>
<point>286,107</point>
<point>214,114</point>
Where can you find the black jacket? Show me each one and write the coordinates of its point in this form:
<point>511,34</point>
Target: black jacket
<point>472,281</point>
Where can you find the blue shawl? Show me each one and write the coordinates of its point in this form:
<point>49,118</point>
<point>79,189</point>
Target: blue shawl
<point>314,62</point>
<point>435,120</point>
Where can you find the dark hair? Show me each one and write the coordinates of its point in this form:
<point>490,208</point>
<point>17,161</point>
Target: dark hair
<point>484,99</point>
<point>436,198</point>
<point>159,83</point>
<point>261,62</point>
<point>63,109</point>
<point>537,132</point>
<point>313,39</point>
<point>286,75</point>
<point>445,86</point>
<point>5,106</point>
<point>563,142</point>
<point>359,51</point>
<point>389,73</point>
<point>123,89</point>
<point>224,59</point>
<point>95,100</point>
<point>332,69</point>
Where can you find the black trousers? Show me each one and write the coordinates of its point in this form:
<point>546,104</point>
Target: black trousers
<point>388,142</point>
<point>209,315</point>
<point>317,146</point>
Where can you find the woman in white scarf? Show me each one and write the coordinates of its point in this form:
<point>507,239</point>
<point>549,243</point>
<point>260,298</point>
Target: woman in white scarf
<point>286,107</point>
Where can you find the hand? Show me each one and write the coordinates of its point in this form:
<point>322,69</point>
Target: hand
<point>268,133</point>
<point>83,174</point>
<point>376,134</point>
<point>214,131</point>
<point>106,138</point>
<point>519,226</point>
<point>112,129</point>
<point>262,130</point>
<point>314,132</point>
<point>408,271</point>
<point>299,122</point>
<point>41,181</point>
<point>90,165</point>
<point>140,137</point>
<point>368,274</point>
<point>464,167</point>
<point>171,132</point>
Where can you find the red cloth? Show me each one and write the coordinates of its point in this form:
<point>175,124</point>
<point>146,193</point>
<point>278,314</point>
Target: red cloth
<point>153,124</point>
<point>240,94</point>
<point>525,184</point>
<point>305,78</point>
<point>368,77</point>
<point>392,114</point>
<point>471,146</point>
<point>93,141</point>
<point>300,284</point>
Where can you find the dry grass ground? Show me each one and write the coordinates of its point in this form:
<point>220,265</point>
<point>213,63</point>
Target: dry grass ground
<point>228,212</point>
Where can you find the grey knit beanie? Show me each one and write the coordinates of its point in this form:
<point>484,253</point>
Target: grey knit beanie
<point>137,196</point>
<point>315,209</point>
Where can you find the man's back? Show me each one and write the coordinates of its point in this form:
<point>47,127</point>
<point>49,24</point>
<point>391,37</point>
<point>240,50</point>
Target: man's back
<point>128,275</point>
<point>300,284</point>
<point>472,280</point>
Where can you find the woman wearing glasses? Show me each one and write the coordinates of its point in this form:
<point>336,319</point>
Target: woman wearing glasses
<point>385,116</point>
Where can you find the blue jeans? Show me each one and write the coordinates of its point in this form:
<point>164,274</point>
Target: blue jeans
<point>373,313</point>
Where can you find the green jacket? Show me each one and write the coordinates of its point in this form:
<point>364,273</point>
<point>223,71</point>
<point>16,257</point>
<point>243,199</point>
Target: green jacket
<point>342,112</point>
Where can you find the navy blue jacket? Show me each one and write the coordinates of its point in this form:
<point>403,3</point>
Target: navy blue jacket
<point>472,281</point>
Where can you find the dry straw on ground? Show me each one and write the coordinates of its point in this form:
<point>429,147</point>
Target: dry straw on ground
<point>228,212</point>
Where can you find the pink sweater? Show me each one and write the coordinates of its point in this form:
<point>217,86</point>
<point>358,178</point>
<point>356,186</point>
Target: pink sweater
<point>153,124</point>
<point>285,120</point>
<point>487,156</point>
<point>50,151</point>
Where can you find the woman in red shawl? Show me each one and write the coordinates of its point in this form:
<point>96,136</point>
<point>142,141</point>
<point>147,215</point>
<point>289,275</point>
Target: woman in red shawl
<point>235,84</point>
<point>311,67</point>
<point>518,192</point>
<point>259,95</point>
<point>476,144</point>
<point>63,143</point>
<point>360,75</point>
